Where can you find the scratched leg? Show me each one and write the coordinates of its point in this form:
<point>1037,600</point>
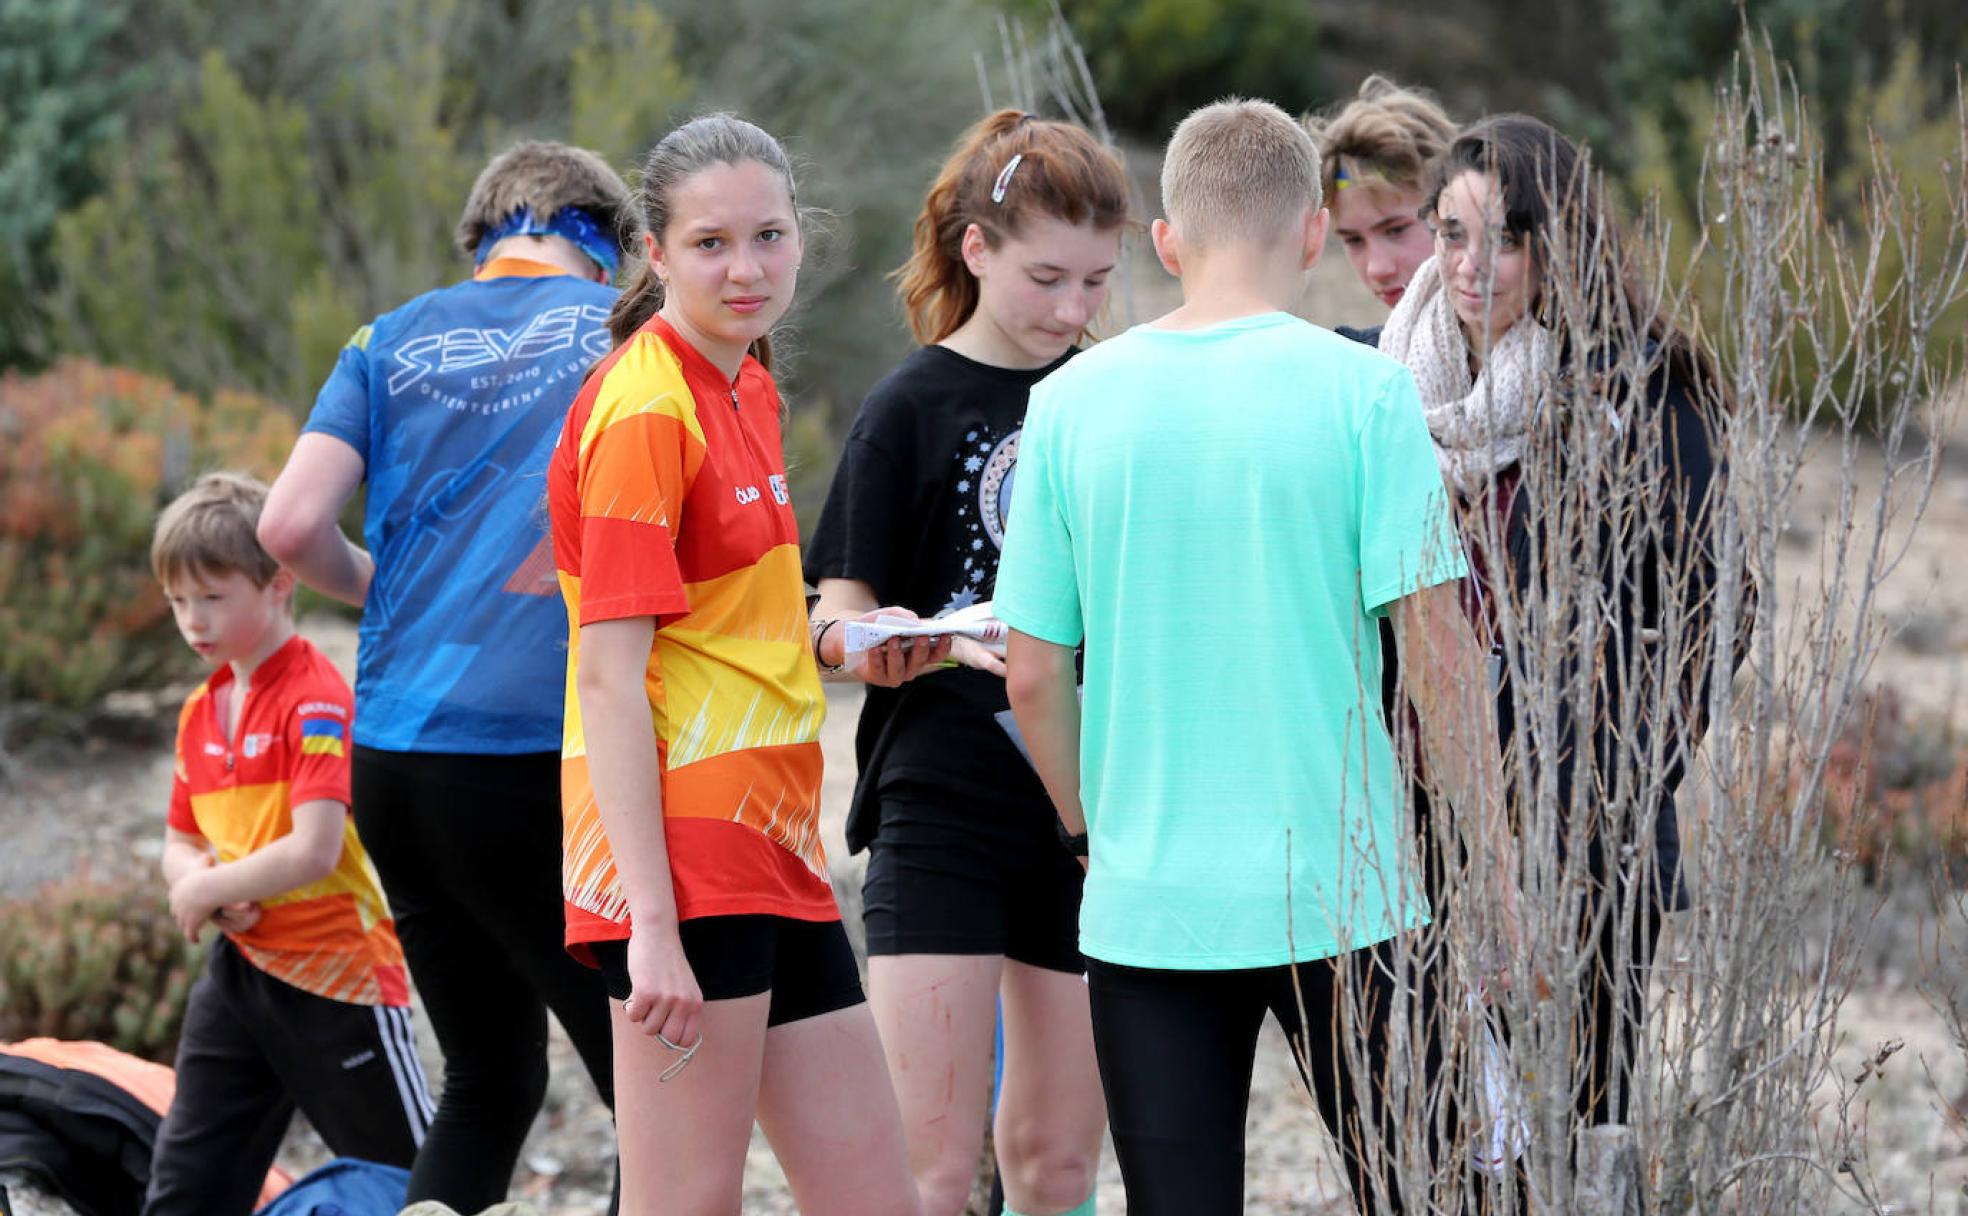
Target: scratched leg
<point>938,1017</point>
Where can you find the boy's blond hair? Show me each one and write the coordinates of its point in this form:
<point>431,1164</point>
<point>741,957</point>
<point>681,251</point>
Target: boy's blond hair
<point>212,530</point>
<point>1239,170</point>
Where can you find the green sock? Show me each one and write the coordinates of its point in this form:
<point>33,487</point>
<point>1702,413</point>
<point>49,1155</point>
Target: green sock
<point>1085,1209</point>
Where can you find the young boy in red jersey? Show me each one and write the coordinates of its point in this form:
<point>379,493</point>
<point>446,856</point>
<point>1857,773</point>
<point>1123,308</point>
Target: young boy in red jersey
<point>304,1002</point>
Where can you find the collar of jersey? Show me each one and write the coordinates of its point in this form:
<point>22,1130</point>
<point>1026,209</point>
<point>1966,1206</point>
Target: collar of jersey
<point>272,667</point>
<point>517,268</point>
<point>694,360</point>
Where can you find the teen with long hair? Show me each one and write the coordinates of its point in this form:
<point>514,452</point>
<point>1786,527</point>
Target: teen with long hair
<point>690,781</point>
<point>1571,416</point>
<point>969,896</point>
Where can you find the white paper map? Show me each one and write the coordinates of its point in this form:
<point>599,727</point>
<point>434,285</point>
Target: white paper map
<point>974,622</point>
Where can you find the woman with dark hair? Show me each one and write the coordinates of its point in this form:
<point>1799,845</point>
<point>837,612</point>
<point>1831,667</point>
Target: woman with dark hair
<point>1580,431</point>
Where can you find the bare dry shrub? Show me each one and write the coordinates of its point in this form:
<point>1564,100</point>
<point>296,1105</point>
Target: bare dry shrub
<point>1825,337</point>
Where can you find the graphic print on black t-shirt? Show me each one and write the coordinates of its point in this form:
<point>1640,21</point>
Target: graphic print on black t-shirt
<point>917,510</point>
<point>987,463</point>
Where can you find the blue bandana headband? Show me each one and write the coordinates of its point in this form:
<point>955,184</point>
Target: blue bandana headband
<point>568,223</point>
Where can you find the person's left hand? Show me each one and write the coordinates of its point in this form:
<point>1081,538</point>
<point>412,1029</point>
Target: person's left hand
<point>973,653</point>
<point>237,918</point>
<point>899,660</point>
<point>190,907</point>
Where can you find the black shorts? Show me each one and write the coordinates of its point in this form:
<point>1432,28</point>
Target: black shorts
<point>938,884</point>
<point>807,966</point>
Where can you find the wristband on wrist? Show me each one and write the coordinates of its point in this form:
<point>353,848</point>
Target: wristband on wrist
<point>820,629</point>
<point>1074,844</point>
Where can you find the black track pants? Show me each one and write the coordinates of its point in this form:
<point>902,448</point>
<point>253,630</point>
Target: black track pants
<point>254,1049</point>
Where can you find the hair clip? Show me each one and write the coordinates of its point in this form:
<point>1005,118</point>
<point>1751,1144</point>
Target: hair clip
<point>1003,183</point>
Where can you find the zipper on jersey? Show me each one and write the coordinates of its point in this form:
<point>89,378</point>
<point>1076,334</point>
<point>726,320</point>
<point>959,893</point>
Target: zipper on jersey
<point>734,398</point>
<point>219,720</point>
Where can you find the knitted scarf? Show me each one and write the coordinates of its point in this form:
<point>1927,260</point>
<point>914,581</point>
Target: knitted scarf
<point>1479,427</point>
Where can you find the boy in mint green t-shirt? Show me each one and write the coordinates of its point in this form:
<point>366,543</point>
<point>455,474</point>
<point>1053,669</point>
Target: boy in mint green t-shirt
<point>1219,504</point>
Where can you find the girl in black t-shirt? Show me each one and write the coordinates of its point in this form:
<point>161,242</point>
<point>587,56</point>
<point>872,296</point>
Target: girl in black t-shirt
<point>969,895</point>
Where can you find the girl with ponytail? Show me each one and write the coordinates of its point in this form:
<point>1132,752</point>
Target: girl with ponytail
<point>690,774</point>
<point>969,895</point>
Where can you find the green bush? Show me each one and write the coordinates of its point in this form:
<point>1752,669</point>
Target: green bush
<point>1908,139</point>
<point>88,455</point>
<point>86,958</point>
<point>1156,60</point>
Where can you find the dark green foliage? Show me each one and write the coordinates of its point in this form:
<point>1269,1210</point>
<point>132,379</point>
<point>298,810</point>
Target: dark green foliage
<point>60,105</point>
<point>1664,44</point>
<point>89,959</point>
<point>1668,54</point>
<point>868,108</point>
<point>303,173</point>
<point>234,186</point>
<point>1155,60</point>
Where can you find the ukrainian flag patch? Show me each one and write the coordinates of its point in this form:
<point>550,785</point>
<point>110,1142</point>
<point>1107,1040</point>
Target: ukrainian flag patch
<point>321,737</point>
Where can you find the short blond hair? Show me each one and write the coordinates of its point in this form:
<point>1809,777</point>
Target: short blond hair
<point>212,529</point>
<point>1239,170</point>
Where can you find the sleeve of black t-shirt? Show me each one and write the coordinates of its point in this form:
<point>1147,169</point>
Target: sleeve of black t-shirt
<point>868,505</point>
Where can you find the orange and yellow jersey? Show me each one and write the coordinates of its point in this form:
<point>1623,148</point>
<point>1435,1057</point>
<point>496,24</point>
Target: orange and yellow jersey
<point>668,500</point>
<point>334,937</point>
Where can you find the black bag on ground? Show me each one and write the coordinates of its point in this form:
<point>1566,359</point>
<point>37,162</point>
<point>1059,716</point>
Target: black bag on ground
<point>84,1137</point>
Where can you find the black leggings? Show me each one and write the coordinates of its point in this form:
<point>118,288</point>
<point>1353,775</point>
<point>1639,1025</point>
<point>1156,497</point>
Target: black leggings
<point>468,848</point>
<point>1176,1050</point>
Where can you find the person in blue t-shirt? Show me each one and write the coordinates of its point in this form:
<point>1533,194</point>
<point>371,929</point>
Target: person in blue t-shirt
<point>448,408</point>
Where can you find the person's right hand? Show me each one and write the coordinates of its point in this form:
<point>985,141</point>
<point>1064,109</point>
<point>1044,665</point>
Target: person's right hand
<point>663,994</point>
<point>899,660</point>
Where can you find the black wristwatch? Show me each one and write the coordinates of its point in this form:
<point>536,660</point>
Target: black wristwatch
<point>1076,845</point>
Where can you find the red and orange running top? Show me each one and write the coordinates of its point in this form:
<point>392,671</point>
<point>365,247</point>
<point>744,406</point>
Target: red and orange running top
<point>333,938</point>
<point>668,497</point>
